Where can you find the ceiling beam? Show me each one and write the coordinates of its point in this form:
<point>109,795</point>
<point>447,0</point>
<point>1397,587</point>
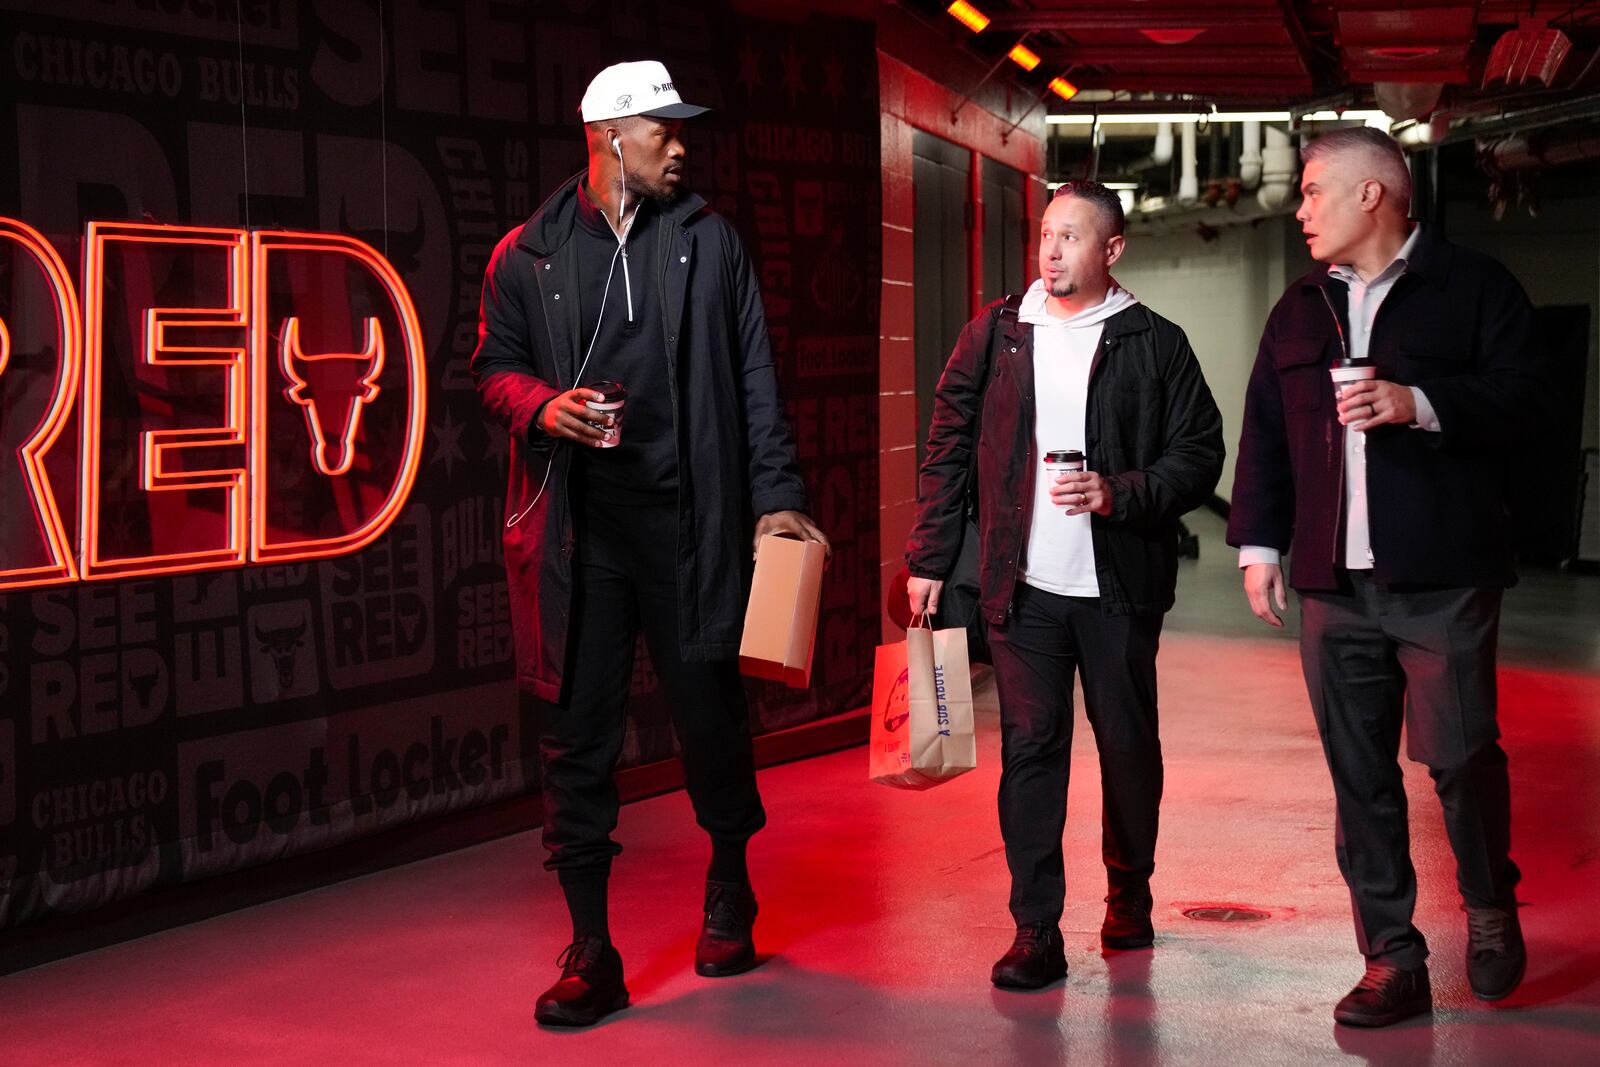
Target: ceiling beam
<point>1132,17</point>
<point>1255,86</point>
<point>1200,57</point>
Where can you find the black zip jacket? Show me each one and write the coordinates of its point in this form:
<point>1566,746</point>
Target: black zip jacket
<point>1152,431</point>
<point>1457,325</point>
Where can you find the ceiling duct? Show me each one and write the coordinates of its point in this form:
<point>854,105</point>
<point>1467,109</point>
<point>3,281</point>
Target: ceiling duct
<point>1407,100</point>
<point>1534,51</point>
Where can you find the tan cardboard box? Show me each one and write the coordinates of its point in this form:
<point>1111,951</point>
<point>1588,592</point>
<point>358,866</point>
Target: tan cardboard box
<point>780,623</point>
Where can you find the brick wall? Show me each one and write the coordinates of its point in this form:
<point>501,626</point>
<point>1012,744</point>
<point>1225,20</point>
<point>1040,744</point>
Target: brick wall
<point>909,101</point>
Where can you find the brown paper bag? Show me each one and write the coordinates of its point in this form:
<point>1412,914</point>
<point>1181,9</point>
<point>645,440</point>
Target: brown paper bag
<point>922,729</point>
<point>780,622</point>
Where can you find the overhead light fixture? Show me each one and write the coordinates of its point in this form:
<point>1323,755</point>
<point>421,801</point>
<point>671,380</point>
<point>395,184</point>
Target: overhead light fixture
<point>1023,56</point>
<point>1128,119</point>
<point>1172,36</point>
<point>1533,51</point>
<point>968,16</point>
<point>1062,88</point>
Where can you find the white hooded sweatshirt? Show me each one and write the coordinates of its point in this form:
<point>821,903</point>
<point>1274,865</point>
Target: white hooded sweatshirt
<point>1060,549</point>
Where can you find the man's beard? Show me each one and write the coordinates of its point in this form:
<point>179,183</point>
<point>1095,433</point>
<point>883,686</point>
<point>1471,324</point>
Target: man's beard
<point>639,189</point>
<point>1063,287</point>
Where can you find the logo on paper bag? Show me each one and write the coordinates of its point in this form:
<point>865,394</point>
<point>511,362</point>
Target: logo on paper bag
<point>896,710</point>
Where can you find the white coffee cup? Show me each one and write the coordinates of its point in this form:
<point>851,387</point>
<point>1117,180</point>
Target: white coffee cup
<point>615,396</point>
<point>1061,461</point>
<point>1347,372</point>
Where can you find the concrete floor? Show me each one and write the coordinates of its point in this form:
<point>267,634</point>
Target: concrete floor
<point>882,911</point>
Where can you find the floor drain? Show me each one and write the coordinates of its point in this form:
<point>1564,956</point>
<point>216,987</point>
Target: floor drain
<point>1226,913</point>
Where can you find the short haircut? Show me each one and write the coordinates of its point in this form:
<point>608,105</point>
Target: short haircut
<point>1373,154</point>
<point>1105,201</point>
<point>592,131</point>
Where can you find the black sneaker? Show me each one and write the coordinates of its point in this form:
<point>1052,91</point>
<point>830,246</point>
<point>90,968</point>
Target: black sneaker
<point>1127,922</point>
<point>1386,995</point>
<point>1036,958</point>
<point>727,941</point>
<point>590,986</point>
<point>1496,955</point>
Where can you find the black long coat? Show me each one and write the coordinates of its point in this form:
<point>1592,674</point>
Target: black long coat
<point>736,456</point>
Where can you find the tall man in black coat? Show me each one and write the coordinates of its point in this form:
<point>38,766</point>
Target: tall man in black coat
<point>1393,497</point>
<point>1077,569</point>
<point>617,523</point>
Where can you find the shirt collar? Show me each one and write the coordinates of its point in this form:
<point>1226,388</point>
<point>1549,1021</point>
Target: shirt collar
<point>593,218</point>
<point>1396,267</point>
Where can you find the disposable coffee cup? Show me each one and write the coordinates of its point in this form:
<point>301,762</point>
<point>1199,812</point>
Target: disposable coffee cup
<point>614,396</point>
<point>1349,371</point>
<point>1063,461</point>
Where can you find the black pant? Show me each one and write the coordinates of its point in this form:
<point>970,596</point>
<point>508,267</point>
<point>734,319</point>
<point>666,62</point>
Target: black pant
<point>625,579</point>
<point>1046,639</point>
<point>1373,659</point>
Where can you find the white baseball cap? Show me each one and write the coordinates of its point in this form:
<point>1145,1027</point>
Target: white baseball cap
<point>643,88</point>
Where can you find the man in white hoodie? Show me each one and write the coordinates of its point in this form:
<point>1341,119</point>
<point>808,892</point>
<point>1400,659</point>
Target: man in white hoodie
<point>1076,569</point>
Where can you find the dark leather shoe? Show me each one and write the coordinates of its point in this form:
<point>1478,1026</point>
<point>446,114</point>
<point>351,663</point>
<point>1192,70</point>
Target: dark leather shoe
<point>1036,958</point>
<point>727,943</point>
<point>1127,922</point>
<point>590,986</point>
<point>1385,996</point>
<point>1496,955</point>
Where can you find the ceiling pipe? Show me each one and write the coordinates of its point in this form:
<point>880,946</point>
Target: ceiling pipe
<point>1250,156</point>
<point>1507,124</point>
<point>1277,170</point>
<point>1522,153</point>
<point>1162,153</point>
<point>1189,184</point>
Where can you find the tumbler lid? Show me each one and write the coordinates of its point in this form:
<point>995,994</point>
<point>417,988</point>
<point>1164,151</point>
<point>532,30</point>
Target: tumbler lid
<point>1063,455</point>
<point>611,392</point>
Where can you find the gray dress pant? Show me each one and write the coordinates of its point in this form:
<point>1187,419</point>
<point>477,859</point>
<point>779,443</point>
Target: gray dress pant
<point>1381,657</point>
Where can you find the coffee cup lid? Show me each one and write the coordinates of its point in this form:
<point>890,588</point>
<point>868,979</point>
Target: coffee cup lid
<point>611,392</point>
<point>1062,455</point>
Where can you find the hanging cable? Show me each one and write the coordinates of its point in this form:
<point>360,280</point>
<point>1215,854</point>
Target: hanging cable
<point>551,462</point>
<point>244,125</point>
<point>383,124</point>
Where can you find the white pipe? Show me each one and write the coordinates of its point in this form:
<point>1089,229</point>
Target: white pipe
<point>1163,149</point>
<point>1189,184</point>
<point>1277,170</point>
<point>1250,155</point>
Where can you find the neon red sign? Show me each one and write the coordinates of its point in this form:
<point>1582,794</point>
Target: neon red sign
<point>239,397</point>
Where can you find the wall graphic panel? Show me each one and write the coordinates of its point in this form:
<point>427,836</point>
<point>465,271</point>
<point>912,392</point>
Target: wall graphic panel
<point>261,696</point>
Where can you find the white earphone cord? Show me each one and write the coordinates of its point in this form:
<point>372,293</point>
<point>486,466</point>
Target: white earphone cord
<point>621,233</point>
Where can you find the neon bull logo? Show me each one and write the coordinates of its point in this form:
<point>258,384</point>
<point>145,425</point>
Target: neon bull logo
<point>297,368</point>
<point>212,460</point>
<point>283,646</point>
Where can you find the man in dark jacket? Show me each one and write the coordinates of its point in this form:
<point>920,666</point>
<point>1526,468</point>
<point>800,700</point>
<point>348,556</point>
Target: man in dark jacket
<point>1393,497</point>
<point>616,525</point>
<point>1076,570</point>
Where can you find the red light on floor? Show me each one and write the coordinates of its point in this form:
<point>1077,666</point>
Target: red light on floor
<point>968,16</point>
<point>1063,88</point>
<point>1024,57</point>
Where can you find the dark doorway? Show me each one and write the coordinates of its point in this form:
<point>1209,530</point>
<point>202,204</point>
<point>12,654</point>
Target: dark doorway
<point>1005,240</point>
<point>941,180</point>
